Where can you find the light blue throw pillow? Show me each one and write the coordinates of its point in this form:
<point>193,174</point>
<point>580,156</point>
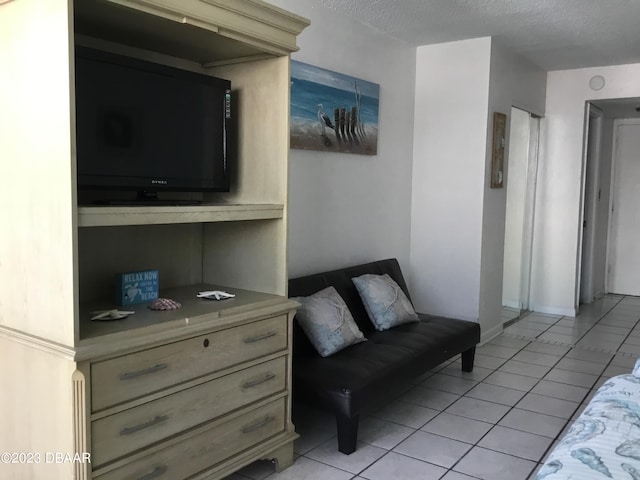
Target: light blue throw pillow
<point>327,322</point>
<point>384,300</point>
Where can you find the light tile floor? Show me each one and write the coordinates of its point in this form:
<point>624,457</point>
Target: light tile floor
<point>495,423</point>
<point>509,314</point>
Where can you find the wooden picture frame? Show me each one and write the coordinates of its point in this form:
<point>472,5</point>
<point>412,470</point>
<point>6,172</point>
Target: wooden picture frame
<point>497,152</point>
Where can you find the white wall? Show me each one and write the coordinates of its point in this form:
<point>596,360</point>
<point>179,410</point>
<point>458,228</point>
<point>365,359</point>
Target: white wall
<point>513,81</point>
<point>457,235</point>
<point>560,177</point>
<point>347,209</point>
<point>452,88</point>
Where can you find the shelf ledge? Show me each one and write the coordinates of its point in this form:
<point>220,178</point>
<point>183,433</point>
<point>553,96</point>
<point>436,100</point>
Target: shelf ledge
<point>110,216</point>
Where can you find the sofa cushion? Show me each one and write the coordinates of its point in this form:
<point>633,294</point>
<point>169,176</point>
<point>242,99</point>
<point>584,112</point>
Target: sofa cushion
<point>384,300</point>
<point>327,322</point>
<point>341,280</point>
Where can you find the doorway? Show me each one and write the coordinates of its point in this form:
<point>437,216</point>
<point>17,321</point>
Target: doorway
<point>608,239</point>
<point>624,225</point>
<point>521,190</point>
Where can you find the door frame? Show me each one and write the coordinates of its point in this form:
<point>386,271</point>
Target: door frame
<point>589,200</point>
<point>527,196</point>
<point>529,211</point>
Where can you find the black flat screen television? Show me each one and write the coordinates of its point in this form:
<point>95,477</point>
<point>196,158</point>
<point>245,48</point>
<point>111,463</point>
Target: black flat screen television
<point>149,127</point>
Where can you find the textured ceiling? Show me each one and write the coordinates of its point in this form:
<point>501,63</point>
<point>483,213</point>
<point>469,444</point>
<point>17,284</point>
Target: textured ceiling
<point>553,34</point>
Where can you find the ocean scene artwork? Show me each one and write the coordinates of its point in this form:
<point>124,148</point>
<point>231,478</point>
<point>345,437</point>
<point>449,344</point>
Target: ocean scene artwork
<point>333,112</point>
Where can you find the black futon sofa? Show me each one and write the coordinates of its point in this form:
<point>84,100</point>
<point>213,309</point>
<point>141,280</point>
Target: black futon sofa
<point>366,374</point>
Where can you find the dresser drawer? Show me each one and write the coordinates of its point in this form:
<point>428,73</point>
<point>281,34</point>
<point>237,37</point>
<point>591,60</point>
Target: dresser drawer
<point>124,378</point>
<point>117,435</point>
<point>205,449</point>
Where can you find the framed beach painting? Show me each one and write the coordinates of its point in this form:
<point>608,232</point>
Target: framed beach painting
<point>333,112</point>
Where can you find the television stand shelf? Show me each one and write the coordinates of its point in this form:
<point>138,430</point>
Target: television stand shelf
<point>109,216</point>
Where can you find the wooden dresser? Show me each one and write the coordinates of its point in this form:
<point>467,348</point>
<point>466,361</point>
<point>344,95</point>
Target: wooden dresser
<point>217,394</point>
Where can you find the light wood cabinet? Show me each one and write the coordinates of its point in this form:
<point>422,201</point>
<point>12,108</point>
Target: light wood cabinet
<point>145,401</point>
<point>127,377</point>
<point>119,434</point>
<point>194,393</point>
<point>202,447</point>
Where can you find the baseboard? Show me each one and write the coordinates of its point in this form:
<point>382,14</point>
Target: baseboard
<point>509,304</point>
<point>490,334</point>
<point>549,310</point>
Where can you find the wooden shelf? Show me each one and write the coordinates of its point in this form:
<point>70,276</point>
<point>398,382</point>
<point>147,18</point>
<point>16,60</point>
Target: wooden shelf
<point>99,338</point>
<point>108,216</point>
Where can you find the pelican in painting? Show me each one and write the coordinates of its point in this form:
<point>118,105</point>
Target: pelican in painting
<point>324,119</point>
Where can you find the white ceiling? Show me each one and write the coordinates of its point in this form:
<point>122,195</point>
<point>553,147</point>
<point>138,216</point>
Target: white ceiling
<point>553,34</point>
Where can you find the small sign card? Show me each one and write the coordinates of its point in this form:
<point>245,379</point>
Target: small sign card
<point>137,287</point>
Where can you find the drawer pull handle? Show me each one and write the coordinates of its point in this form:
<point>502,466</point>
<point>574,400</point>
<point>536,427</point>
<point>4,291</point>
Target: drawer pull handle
<point>255,383</point>
<point>260,337</point>
<point>158,471</point>
<point>146,371</point>
<point>161,470</point>
<point>257,425</point>
<point>155,421</point>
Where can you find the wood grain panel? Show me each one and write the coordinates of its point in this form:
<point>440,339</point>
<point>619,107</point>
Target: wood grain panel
<point>125,432</point>
<point>131,376</point>
<point>206,449</point>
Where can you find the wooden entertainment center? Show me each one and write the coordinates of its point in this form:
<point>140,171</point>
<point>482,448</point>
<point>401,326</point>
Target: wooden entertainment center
<point>192,393</point>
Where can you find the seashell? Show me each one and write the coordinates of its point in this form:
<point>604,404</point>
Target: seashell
<point>583,430</point>
<point>591,460</point>
<point>164,304</point>
<point>549,469</point>
<point>635,474</point>
<point>630,448</point>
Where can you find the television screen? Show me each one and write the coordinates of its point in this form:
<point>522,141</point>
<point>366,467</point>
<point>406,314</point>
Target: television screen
<point>149,127</point>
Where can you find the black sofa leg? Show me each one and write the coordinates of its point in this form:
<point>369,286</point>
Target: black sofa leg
<point>347,433</point>
<point>467,359</point>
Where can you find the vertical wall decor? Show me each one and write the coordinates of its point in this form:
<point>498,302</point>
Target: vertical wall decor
<point>332,112</point>
<point>497,154</point>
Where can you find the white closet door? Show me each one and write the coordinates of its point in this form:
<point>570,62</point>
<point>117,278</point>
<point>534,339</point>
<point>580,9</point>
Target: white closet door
<point>624,240</point>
